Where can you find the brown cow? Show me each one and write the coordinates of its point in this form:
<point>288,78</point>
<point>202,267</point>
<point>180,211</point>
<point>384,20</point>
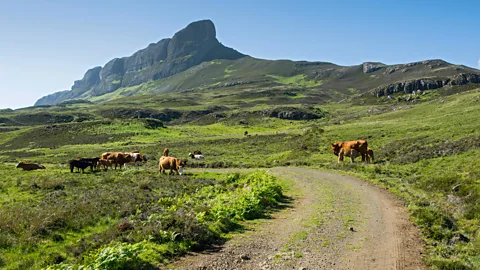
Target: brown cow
<point>105,163</point>
<point>354,154</point>
<point>117,158</point>
<point>342,149</point>
<point>28,166</point>
<point>172,164</point>
<point>165,152</point>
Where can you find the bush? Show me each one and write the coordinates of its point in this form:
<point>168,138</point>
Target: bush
<point>152,123</point>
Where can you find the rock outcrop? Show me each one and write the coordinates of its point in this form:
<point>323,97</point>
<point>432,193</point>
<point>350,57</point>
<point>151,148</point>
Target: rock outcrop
<point>291,113</point>
<point>410,86</point>
<point>189,47</point>
<point>369,67</point>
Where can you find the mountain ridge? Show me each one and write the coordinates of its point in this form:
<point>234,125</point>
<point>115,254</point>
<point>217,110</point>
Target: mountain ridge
<point>194,59</point>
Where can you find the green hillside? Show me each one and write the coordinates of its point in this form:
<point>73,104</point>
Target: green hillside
<point>327,80</point>
<point>424,148</point>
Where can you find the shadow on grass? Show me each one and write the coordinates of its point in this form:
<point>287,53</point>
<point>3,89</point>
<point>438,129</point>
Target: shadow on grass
<point>286,202</point>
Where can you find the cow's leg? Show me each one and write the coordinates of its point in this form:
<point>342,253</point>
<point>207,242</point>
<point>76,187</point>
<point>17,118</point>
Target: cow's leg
<point>340,156</point>
<point>364,157</point>
<point>353,154</point>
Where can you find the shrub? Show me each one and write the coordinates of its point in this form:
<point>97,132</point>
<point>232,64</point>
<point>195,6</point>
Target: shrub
<point>152,123</point>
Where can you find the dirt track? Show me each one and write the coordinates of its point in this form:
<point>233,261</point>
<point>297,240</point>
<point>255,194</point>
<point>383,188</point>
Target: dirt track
<point>334,222</point>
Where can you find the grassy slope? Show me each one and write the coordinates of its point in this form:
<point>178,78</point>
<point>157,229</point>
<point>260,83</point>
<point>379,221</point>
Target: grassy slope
<point>422,150</point>
<point>336,82</point>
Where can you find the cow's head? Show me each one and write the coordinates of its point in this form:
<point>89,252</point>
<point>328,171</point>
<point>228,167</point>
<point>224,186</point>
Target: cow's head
<point>180,164</point>
<point>336,148</point>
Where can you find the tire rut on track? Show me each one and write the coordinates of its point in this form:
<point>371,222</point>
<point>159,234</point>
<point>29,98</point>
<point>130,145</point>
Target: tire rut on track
<point>334,222</point>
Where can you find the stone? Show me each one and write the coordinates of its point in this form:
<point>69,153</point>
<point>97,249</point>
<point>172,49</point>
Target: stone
<point>245,257</point>
<point>369,67</point>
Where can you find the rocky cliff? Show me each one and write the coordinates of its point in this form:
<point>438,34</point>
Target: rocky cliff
<point>190,46</point>
<point>410,86</point>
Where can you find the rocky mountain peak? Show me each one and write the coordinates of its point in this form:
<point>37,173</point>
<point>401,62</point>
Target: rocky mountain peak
<point>190,46</point>
<point>197,31</point>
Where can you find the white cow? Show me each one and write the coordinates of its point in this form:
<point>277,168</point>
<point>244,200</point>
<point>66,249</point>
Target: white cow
<point>136,158</point>
<point>196,156</point>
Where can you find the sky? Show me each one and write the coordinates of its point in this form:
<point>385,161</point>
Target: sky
<point>46,45</point>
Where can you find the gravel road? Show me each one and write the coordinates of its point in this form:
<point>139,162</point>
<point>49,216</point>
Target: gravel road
<point>333,222</point>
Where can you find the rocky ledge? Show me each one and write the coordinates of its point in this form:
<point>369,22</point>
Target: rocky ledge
<point>410,86</point>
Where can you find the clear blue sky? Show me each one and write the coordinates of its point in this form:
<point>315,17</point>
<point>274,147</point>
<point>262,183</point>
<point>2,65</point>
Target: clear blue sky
<point>46,45</point>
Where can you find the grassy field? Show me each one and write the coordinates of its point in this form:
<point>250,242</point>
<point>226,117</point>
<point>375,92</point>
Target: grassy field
<point>423,150</point>
<point>57,219</point>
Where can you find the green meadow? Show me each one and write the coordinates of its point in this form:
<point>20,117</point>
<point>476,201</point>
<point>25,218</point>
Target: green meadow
<point>426,152</point>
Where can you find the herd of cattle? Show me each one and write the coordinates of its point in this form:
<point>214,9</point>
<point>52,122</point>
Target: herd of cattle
<point>111,160</point>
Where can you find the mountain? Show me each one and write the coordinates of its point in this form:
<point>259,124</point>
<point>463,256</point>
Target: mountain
<point>190,46</point>
<point>195,60</point>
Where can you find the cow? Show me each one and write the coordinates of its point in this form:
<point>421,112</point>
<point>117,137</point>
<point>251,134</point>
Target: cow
<point>196,156</point>
<point>354,153</point>
<point>165,152</point>
<point>105,163</point>
<point>28,166</point>
<point>81,164</point>
<point>369,157</point>
<point>117,158</point>
<point>136,158</point>
<point>350,149</point>
<point>94,161</point>
<point>172,164</point>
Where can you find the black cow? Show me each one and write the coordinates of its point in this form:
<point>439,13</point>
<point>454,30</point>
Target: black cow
<point>81,164</point>
<point>94,161</point>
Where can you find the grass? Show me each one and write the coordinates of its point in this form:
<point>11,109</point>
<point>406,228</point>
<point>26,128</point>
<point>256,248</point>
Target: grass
<point>297,80</point>
<point>422,149</point>
<point>58,218</point>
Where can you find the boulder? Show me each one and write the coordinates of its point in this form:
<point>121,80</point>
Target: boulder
<point>369,67</point>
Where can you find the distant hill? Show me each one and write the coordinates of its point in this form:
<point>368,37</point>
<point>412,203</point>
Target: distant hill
<point>195,60</point>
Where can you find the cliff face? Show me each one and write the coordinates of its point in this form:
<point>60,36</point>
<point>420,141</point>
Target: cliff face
<point>189,47</point>
<point>410,86</point>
